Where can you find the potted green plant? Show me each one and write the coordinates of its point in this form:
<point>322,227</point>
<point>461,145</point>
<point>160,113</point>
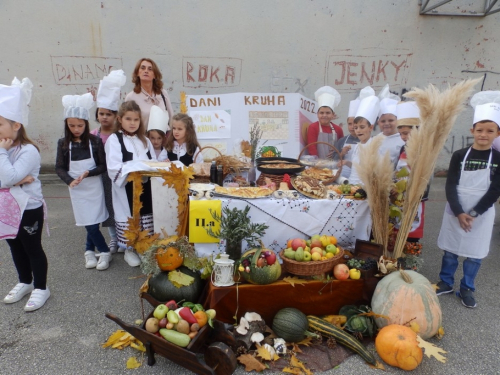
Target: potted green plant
<point>235,226</point>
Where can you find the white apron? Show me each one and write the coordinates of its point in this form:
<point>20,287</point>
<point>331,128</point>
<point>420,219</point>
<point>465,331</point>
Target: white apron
<point>13,202</point>
<point>476,243</point>
<point>324,150</point>
<point>87,198</point>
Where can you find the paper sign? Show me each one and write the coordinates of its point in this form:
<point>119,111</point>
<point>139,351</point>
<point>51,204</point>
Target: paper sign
<point>213,124</point>
<point>201,218</point>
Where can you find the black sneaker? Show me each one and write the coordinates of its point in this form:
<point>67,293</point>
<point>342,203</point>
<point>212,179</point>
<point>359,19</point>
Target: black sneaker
<point>467,297</point>
<point>443,288</point>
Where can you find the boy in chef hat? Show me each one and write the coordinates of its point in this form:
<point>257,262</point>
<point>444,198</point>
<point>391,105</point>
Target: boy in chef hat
<point>346,143</point>
<point>80,162</point>
<point>157,131</point>
<point>21,200</point>
<point>366,115</point>
<point>472,188</point>
<point>324,130</point>
<point>108,101</point>
<point>387,121</point>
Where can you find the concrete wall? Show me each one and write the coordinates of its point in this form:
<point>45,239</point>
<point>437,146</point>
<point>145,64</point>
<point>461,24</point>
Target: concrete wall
<point>217,46</point>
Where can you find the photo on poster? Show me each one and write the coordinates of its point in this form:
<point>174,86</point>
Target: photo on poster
<point>214,124</point>
<point>274,124</point>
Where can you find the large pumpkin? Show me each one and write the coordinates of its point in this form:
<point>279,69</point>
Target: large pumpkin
<point>397,345</point>
<point>261,275</point>
<point>161,288</point>
<point>169,259</point>
<point>407,296</point>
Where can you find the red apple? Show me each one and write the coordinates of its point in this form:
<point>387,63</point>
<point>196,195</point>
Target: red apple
<point>298,242</point>
<point>316,243</point>
<point>341,272</point>
<point>163,323</point>
<point>270,257</point>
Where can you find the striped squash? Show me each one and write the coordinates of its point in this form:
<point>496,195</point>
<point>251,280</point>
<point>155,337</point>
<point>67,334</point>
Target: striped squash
<point>342,337</point>
<point>407,296</point>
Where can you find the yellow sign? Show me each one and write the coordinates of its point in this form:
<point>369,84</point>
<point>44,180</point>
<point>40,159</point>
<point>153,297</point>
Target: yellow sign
<point>200,218</point>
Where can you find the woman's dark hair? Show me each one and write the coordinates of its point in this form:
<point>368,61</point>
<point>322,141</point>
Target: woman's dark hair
<point>157,82</point>
<point>68,136</point>
<point>131,106</point>
<point>191,138</point>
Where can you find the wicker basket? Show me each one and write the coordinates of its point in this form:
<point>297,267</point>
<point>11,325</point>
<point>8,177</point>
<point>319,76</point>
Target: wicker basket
<point>339,171</point>
<point>203,179</point>
<point>313,267</point>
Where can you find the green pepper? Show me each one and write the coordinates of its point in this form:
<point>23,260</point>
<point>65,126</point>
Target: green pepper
<point>197,307</point>
<point>188,304</point>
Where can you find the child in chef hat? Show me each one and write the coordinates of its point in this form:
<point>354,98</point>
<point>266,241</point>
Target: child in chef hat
<point>345,144</point>
<point>324,130</point>
<point>108,101</point>
<point>21,199</point>
<point>366,115</point>
<point>80,163</point>
<point>387,118</point>
<point>472,188</point>
<point>157,130</point>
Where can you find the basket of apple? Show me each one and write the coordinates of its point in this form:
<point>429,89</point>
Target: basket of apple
<point>313,256</point>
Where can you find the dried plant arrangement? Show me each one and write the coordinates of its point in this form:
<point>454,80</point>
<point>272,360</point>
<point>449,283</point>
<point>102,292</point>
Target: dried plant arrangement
<point>438,113</point>
<point>376,172</point>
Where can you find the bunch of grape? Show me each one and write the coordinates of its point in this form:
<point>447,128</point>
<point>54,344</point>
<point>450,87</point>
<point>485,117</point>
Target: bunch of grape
<point>362,264</point>
<point>369,264</point>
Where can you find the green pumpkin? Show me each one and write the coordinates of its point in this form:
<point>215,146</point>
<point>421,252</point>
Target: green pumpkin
<point>290,324</point>
<point>261,275</point>
<point>162,289</point>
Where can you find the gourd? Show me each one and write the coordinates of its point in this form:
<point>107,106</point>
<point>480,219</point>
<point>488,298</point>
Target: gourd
<point>169,259</point>
<point>397,345</point>
<point>177,338</point>
<point>162,289</point>
<point>407,296</point>
<point>342,337</point>
<point>291,325</point>
<point>261,275</point>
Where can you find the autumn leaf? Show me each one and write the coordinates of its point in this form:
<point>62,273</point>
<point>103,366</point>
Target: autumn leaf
<point>132,363</point>
<point>180,279</point>
<point>115,336</point>
<point>440,333</point>
<point>251,363</point>
<point>294,280</point>
<point>294,362</point>
<point>263,353</point>
<point>296,348</point>
<point>431,350</point>
<point>145,286</point>
<point>306,342</point>
<point>139,346</point>
<point>292,370</point>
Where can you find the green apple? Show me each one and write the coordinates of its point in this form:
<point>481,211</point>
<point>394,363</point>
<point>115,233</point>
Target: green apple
<point>308,243</point>
<point>331,249</point>
<point>160,311</point>
<point>307,256</point>
<point>316,237</point>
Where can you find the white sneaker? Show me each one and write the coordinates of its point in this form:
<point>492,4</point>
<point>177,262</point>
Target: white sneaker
<point>113,246</point>
<point>103,262</point>
<point>90,259</point>
<point>132,258</point>
<point>18,292</point>
<point>37,299</point>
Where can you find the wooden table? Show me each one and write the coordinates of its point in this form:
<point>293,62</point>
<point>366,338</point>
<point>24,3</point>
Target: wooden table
<point>312,298</point>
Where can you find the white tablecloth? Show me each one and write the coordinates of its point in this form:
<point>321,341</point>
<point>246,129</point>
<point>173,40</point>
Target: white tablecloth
<point>345,219</point>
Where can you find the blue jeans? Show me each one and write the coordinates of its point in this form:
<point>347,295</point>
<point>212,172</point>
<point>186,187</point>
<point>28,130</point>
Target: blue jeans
<point>450,264</point>
<point>95,239</point>
<point>112,232</point>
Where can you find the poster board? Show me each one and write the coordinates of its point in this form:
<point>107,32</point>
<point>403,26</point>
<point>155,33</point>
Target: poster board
<point>224,120</point>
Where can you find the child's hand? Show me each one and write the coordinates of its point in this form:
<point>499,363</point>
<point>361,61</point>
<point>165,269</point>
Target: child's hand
<point>345,150</point>
<point>465,222</point>
<point>26,180</point>
<point>84,175</point>
<point>6,143</point>
<point>74,183</point>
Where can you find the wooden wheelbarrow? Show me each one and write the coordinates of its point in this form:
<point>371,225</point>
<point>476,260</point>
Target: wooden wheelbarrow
<point>215,343</point>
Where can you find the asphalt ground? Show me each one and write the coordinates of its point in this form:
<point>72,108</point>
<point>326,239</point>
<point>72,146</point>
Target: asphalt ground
<point>64,337</point>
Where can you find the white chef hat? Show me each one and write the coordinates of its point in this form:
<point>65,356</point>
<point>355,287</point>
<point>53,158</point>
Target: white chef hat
<point>158,119</point>
<point>486,106</point>
<point>327,96</point>
<point>388,101</point>
<point>354,104</point>
<point>369,105</point>
<point>408,114</point>
<point>108,95</point>
<point>14,100</point>
<point>77,106</point>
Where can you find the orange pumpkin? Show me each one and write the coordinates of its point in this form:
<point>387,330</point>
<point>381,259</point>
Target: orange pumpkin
<point>169,259</point>
<point>407,296</point>
<point>397,345</point>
